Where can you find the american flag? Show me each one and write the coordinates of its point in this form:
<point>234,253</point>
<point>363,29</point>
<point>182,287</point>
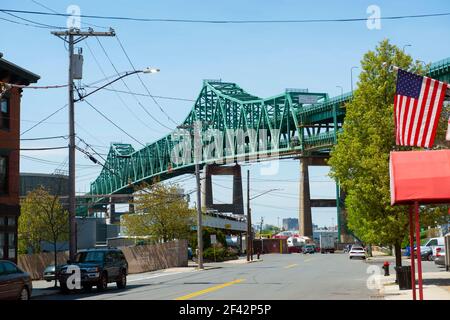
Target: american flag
<point>417,107</point>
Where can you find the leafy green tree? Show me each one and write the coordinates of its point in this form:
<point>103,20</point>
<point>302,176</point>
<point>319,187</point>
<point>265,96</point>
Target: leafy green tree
<point>162,213</point>
<point>360,159</point>
<point>42,218</point>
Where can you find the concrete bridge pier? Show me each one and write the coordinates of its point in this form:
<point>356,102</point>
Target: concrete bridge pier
<point>237,206</point>
<point>306,203</point>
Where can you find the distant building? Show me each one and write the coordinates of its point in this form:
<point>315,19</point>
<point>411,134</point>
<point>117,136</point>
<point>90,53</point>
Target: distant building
<point>290,224</point>
<point>55,184</point>
<point>11,78</point>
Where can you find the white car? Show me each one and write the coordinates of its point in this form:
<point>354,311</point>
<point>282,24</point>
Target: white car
<point>357,252</point>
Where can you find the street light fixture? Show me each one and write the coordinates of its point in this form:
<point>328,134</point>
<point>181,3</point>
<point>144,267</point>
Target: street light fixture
<point>406,45</point>
<point>351,76</point>
<point>126,74</point>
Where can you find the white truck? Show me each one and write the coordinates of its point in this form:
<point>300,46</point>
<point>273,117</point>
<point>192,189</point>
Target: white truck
<point>327,243</point>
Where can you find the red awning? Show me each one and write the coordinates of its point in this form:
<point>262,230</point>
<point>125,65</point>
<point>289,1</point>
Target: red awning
<point>422,176</point>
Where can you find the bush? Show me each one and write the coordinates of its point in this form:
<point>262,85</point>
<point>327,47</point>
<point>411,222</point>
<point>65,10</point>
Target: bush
<point>218,254</point>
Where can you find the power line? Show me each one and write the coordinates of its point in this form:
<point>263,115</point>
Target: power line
<point>54,11</point>
<point>113,89</point>
<point>113,123</point>
<point>42,149</point>
<point>43,25</point>
<point>23,24</point>
<point>210,21</point>
<point>140,94</point>
<point>128,88</point>
<point>41,121</point>
<point>44,138</point>
<point>142,82</point>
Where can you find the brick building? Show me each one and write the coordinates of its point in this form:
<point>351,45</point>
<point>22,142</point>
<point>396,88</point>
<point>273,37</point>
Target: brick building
<point>9,153</point>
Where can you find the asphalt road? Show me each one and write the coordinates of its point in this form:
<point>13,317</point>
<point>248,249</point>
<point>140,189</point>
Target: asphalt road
<point>291,277</point>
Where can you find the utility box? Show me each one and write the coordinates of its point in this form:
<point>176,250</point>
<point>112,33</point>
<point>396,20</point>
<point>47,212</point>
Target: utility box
<point>77,66</point>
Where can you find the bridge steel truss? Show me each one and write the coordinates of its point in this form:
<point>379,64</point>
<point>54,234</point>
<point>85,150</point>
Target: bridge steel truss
<point>292,129</point>
<point>255,128</point>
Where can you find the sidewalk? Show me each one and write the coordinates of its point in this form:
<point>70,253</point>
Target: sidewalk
<point>436,286</point>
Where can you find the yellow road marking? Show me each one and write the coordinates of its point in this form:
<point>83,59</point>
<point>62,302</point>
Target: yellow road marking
<point>291,265</point>
<point>308,260</point>
<point>207,290</point>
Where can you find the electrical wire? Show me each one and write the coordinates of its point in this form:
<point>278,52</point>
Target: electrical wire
<point>42,149</point>
<point>140,94</point>
<point>117,94</point>
<point>36,23</point>
<point>209,21</point>
<point>44,119</point>
<point>142,82</point>
<point>112,122</point>
<point>128,88</point>
<point>54,11</point>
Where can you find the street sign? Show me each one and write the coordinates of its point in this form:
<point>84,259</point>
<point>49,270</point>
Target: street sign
<point>213,239</point>
<point>308,99</point>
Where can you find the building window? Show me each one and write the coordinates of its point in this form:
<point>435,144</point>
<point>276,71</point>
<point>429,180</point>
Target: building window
<point>2,245</point>
<point>11,246</point>
<point>3,175</point>
<point>4,113</point>
<point>11,221</point>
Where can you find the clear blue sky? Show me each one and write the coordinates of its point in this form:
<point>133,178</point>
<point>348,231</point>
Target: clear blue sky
<point>264,59</point>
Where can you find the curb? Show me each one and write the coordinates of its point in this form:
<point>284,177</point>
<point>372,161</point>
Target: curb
<point>44,293</point>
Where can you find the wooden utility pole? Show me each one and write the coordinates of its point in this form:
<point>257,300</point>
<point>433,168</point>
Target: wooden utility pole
<point>72,37</point>
<point>249,222</point>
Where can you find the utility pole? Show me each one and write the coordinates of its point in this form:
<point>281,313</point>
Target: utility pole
<point>199,217</point>
<point>72,37</point>
<point>197,158</point>
<point>249,222</point>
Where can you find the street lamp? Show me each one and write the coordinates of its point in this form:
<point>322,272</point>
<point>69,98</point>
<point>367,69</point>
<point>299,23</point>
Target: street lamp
<point>406,45</point>
<point>351,76</point>
<point>342,90</point>
<point>126,74</point>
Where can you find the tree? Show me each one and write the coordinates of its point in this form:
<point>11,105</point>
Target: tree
<point>360,159</point>
<point>162,213</point>
<point>42,218</point>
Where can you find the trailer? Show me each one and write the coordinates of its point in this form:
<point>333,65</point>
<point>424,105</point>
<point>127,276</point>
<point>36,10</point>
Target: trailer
<point>327,243</point>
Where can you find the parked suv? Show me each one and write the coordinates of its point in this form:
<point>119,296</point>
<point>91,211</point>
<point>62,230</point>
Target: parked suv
<point>98,267</point>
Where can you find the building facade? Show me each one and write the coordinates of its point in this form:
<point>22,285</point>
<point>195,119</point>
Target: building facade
<point>9,153</point>
<point>290,224</point>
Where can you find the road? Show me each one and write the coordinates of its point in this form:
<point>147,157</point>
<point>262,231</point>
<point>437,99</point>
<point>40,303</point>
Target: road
<point>293,276</point>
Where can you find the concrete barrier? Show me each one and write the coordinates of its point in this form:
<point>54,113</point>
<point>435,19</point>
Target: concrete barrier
<point>35,264</point>
<point>140,258</point>
<point>157,256</point>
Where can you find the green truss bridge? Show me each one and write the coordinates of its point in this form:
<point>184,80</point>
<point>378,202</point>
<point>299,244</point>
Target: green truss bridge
<point>291,124</point>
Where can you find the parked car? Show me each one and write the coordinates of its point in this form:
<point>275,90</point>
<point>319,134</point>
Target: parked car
<point>15,284</point>
<point>357,252</point>
<point>440,257</point>
<point>49,273</point>
<point>426,253</point>
<point>309,248</point>
<point>428,250</point>
<point>98,267</point>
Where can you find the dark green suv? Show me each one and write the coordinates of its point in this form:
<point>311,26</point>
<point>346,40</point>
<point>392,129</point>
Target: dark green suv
<point>98,267</point>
